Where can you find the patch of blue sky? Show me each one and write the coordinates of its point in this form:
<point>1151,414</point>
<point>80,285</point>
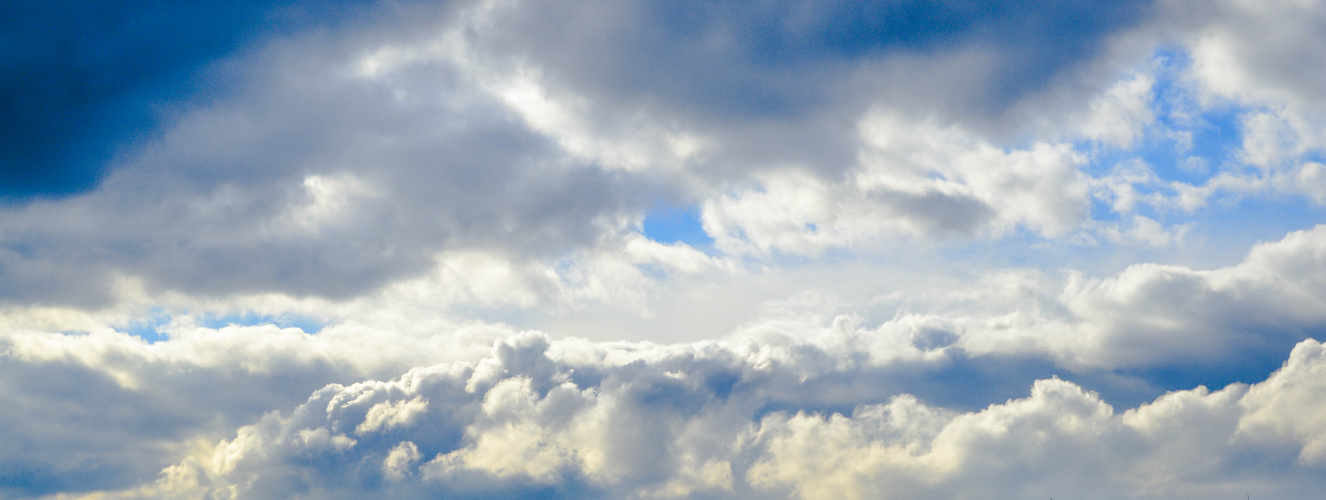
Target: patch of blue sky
<point>305,323</point>
<point>677,224</point>
<point>1185,129</point>
<point>1018,249</point>
<point>148,326</point>
<point>1191,142</point>
<point>1265,218</point>
<point>1188,142</point>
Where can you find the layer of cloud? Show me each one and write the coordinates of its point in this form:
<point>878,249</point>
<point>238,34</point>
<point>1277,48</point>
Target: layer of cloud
<point>345,158</point>
<point>541,420</point>
<point>519,412</point>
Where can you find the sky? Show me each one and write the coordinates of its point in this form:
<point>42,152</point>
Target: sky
<point>647,249</point>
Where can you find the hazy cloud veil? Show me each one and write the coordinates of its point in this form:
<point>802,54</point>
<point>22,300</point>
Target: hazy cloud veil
<point>646,249</point>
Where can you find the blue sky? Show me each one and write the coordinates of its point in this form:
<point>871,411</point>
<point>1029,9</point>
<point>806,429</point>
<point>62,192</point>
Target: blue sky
<point>641,249</point>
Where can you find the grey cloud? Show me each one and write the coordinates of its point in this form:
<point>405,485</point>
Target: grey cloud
<point>1269,300</point>
<point>313,182</point>
<point>774,84</point>
<point>106,410</point>
<point>939,212</point>
<point>80,79</point>
<point>73,427</point>
<point>1252,52</point>
<point>424,157</point>
<point>752,60</point>
<point>683,404</point>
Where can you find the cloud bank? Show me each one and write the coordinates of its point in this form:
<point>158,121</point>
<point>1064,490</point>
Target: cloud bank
<point>543,419</point>
<point>901,406</point>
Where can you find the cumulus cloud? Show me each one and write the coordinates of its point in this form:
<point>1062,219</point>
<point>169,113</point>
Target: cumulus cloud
<point>671,424</point>
<point>90,412</point>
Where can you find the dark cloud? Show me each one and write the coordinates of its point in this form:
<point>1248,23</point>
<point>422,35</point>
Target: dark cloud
<point>738,61</point>
<point>80,82</point>
<point>314,184</point>
<point>218,116</point>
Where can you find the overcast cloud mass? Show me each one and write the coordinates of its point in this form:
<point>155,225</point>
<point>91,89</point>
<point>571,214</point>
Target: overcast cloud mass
<point>648,249</point>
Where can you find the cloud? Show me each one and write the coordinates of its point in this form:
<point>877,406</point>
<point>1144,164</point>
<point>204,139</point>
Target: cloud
<point>1253,62</point>
<point>80,82</point>
<point>666,427</point>
<point>742,62</point>
<point>314,181</point>
<point>339,161</point>
<point>509,413</point>
<point>400,461</point>
<point>915,177</point>
<point>948,250</point>
<point>92,412</point>
<point>1117,117</point>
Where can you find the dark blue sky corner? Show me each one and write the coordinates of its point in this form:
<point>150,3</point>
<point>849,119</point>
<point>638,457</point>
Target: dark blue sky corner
<point>80,82</point>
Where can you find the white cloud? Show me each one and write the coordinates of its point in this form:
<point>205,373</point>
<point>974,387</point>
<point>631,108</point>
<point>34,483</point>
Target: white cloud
<point>1143,231</point>
<point>1288,407</point>
<point>400,461</point>
<point>385,415</point>
<point>658,428</point>
<point>915,177</point>
<point>561,404</point>
<point>1118,116</point>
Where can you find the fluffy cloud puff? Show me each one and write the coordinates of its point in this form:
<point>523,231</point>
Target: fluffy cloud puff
<point>92,411</point>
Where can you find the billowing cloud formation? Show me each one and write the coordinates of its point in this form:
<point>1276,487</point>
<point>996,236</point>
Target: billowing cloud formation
<point>572,421</point>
